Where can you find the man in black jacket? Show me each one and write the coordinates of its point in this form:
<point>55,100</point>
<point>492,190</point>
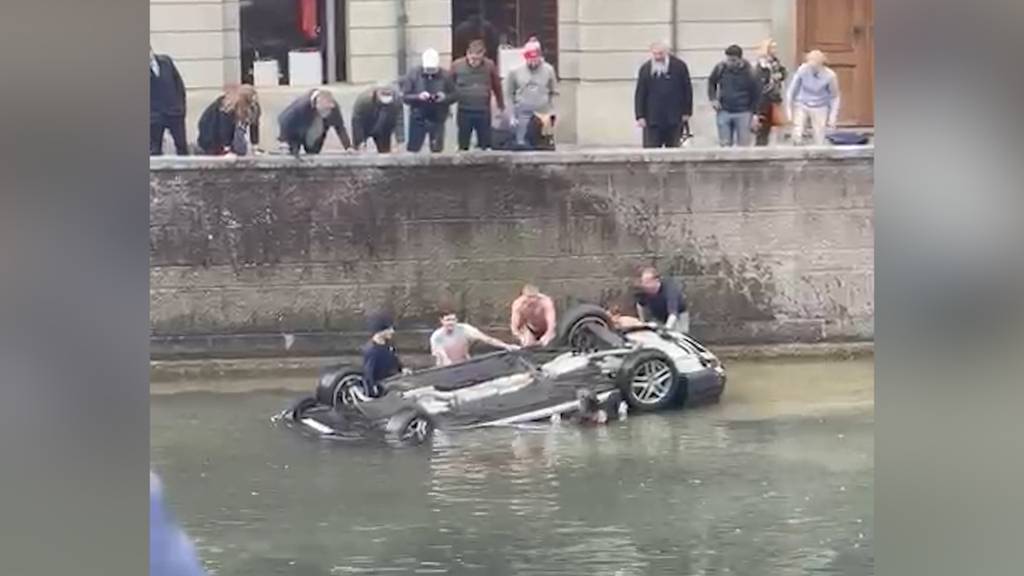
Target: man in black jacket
<point>735,94</point>
<point>664,98</point>
<point>377,113</point>
<point>429,91</point>
<point>166,105</point>
<point>304,124</point>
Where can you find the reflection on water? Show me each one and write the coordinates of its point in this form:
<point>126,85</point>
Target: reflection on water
<point>775,480</point>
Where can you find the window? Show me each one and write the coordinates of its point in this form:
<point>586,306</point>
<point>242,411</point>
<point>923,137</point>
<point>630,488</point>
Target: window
<point>273,29</point>
<point>501,22</point>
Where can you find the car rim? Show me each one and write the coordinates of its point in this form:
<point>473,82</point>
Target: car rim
<point>349,391</point>
<point>417,430</point>
<point>582,340</point>
<point>652,382</point>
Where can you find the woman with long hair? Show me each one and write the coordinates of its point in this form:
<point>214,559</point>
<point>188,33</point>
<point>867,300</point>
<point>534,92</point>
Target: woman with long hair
<point>230,124</point>
<point>772,75</point>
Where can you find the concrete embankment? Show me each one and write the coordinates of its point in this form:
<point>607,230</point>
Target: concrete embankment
<point>276,257</point>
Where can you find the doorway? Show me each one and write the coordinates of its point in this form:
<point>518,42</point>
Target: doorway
<point>505,22</point>
<point>844,30</point>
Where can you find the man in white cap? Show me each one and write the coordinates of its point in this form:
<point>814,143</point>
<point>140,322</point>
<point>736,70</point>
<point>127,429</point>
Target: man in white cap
<point>429,91</point>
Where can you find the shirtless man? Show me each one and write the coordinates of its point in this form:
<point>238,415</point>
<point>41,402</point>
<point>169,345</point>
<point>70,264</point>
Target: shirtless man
<point>450,343</point>
<point>533,317</point>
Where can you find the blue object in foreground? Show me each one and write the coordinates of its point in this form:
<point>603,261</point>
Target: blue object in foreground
<point>171,553</point>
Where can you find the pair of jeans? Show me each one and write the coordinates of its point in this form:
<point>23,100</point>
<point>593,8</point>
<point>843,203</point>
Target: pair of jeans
<point>421,126</point>
<point>734,128</point>
<point>470,121</point>
<point>176,125</point>
<point>663,136</point>
<point>819,123</point>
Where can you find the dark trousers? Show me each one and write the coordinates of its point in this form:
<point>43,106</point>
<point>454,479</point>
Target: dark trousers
<point>420,127</point>
<point>764,130</point>
<point>667,136</point>
<point>176,124</point>
<point>470,121</point>
<point>383,142</point>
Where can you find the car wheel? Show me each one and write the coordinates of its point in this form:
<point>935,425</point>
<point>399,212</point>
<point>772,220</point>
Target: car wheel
<point>649,381</point>
<point>409,428</point>
<point>346,388</point>
<point>573,330</point>
<point>299,408</point>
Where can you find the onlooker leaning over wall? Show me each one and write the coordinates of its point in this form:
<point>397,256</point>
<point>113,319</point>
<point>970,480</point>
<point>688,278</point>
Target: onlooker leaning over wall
<point>664,98</point>
<point>304,124</point>
<point>530,90</point>
<point>230,124</point>
<point>166,105</point>
<point>735,94</point>
<point>378,114</point>
<point>813,95</point>
<point>476,78</point>
<point>772,75</point>
<point>429,92</point>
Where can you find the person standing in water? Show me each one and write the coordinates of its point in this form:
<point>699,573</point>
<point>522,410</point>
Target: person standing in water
<point>450,343</point>
<point>533,317</point>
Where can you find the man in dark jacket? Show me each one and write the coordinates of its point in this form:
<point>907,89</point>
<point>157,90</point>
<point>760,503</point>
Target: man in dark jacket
<point>166,105</point>
<point>735,94</point>
<point>476,79</point>
<point>378,113</point>
<point>304,124</point>
<point>429,92</point>
<point>664,98</point>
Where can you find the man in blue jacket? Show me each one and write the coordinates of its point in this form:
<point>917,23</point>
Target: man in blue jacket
<point>166,105</point>
<point>304,124</point>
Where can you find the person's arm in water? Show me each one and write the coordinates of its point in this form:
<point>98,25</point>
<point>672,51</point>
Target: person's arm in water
<point>476,335</point>
<point>550,319</point>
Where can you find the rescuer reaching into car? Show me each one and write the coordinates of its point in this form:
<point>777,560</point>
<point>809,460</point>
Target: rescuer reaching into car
<point>533,317</point>
<point>661,300</point>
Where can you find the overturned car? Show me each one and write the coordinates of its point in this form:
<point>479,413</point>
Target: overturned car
<point>645,368</point>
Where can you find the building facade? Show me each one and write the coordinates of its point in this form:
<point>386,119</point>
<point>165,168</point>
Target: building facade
<point>286,47</point>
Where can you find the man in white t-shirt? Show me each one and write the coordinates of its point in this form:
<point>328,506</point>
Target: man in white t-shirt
<point>450,343</point>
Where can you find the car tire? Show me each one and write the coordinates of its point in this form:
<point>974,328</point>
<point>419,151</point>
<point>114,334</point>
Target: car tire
<point>649,381</point>
<point>343,387</point>
<point>410,427</point>
<point>299,408</point>
<point>569,335</point>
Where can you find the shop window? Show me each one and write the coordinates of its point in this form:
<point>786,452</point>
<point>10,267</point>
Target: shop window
<point>292,41</point>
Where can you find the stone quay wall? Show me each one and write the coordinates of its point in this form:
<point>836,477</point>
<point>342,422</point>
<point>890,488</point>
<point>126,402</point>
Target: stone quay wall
<point>276,256</point>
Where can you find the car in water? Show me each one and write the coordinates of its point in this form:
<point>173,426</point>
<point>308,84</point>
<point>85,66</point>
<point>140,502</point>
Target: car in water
<point>644,368</point>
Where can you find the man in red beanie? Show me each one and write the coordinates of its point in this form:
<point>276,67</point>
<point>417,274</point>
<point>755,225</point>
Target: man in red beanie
<point>531,91</point>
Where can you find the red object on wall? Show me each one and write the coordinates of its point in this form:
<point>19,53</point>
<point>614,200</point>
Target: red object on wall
<point>307,19</point>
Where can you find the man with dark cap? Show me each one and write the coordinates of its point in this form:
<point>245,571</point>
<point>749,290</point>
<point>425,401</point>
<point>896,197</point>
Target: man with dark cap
<point>380,358</point>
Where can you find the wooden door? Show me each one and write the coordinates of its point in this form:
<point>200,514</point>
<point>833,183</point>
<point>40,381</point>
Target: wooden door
<point>844,31</point>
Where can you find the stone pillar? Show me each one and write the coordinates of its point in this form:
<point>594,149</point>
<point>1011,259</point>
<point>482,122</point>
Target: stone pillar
<point>430,26</point>
<point>203,38</point>
<point>603,46</point>
<point>372,40</point>
<point>703,30</point>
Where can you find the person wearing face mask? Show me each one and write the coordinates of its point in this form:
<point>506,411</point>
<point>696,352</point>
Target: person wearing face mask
<point>304,124</point>
<point>378,114</point>
<point>429,92</point>
<point>664,98</point>
<point>735,94</point>
<point>230,124</point>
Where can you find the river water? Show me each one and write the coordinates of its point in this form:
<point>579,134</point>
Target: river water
<point>776,479</point>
